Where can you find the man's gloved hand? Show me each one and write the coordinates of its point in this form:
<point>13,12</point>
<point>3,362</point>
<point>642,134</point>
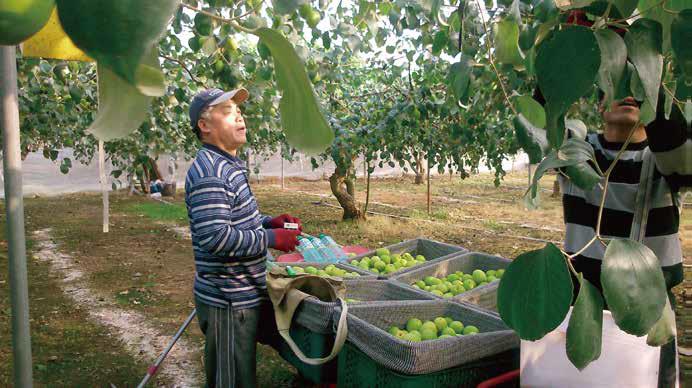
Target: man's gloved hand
<point>278,222</point>
<point>283,239</point>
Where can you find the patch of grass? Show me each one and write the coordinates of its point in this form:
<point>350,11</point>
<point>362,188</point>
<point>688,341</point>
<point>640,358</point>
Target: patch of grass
<point>160,211</point>
<point>68,349</point>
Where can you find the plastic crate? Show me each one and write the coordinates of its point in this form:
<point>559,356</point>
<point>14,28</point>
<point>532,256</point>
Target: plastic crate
<point>318,342</point>
<point>483,296</point>
<point>358,370</point>
<point>432,250</point>
<point>368,325</point>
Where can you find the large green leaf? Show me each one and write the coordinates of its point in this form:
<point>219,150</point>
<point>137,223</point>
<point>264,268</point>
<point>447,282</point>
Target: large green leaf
<point>663,13</point>
<point>643,40</point>
<point>529,126</point>
<point>585,329</point>
<point>531,109</point>
<point>531,138</point>
<point>459,77</point>
<point>304,124</point>
<point>535,292</point>
<point>122,108</point>
<point>664,330</point>
<point>613,62</point>
<point>507,43</point>
<point>119,34</point>
<point>633,285</point>
<point>681,42</point>
<point>566,67</point>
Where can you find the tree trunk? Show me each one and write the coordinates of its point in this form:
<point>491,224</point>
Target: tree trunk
<point>340,182</point>
<point>419,170</point>
<point>367,192</point>
<point>556,189</point>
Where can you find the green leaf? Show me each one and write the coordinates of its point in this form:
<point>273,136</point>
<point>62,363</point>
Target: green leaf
<point>531,139</point>
<point>625,7</point>
<point>653,9</point>
<point>439,41</point>
<point>664,330</point>
<point>633,285</point>
<point>305,127</point>
<point>507,43</point>
<point>585,329</point>
<point>572,4</point>
<point>459,77</point>
<point>680,40</point>
<point>577,128</point>
<point>566,67</point>
<point>573,152</point>
<point>119,35</point>
<point>531,109</point>
<point>613,62</point>
<point>535,292</point>
<point>122,108</point>
<point>583,175</point>
<point>643,40</point>
<point>286,7</point>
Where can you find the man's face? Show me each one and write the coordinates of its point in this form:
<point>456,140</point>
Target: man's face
<point>622,112</point>
<point>226,126</point>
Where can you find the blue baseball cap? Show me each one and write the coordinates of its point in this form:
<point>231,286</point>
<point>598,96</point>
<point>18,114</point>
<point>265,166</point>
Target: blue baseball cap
<point>211,97</point>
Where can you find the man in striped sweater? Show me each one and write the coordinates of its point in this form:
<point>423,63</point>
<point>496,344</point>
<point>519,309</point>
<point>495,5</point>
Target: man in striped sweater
<point>670,142</point>
<point>230,238</point>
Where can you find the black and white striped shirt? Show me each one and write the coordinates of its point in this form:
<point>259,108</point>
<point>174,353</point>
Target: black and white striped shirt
<point>670,141</point>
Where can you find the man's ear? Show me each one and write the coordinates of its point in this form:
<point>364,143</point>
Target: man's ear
<point>203,127</point>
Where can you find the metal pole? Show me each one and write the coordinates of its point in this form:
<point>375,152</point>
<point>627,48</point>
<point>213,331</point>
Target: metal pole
<point>14,207</point>
<point>283,185</point>
<point>155,367</point>
<point>104,185</point>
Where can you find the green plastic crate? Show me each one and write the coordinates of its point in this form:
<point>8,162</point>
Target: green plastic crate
<point>357,370</point>
<point>315,344</point>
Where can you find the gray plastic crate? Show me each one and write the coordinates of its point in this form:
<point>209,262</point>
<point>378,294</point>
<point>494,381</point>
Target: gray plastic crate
<point>432,250</point>
<point>368,325</point>
<point>483,296</point>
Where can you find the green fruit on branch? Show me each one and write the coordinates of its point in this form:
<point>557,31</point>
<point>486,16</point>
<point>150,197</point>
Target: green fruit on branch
<point>20,19</point>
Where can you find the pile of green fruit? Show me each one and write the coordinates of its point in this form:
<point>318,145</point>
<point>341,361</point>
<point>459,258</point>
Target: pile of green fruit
<point>439,328</point>
<point>457,282</point>
<point>385,263</point>
<point>330,270</point>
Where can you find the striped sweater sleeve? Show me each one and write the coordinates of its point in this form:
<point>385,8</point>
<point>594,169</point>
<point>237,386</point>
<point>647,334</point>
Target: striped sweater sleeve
<point>670,140</point>
<point>211,205</point>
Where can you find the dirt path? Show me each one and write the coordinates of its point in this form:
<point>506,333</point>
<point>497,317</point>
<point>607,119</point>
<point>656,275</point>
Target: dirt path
<point>141,338</point>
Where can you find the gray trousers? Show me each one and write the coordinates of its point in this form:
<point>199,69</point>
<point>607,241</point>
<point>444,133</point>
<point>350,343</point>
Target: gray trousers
<point>230,348</point>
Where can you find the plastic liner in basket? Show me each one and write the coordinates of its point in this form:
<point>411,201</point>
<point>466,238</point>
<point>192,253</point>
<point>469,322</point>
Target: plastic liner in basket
<point>316,315</point>
<point>432,250</point>
<point>483,296</point>
<point>367,325</point>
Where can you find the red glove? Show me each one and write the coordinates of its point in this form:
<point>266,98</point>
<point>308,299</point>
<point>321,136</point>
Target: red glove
<point>283,239</point>
<point>278,222</point>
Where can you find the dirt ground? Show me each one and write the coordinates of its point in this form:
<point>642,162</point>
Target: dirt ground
<point>144,264</point>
